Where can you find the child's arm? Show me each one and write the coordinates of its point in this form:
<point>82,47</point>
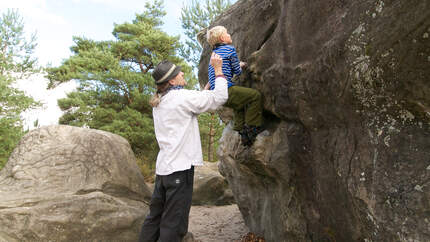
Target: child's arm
<point>211,78</point>
<point>235,63</point>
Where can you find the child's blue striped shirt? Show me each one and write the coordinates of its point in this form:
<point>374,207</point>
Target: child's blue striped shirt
<point>230,64</point>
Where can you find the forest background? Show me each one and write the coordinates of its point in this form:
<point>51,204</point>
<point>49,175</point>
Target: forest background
<point>113,77</point>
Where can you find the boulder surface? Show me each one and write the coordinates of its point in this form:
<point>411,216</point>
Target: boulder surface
<point>210,187</point>
<point>65,183</point>
<point>345,154</point>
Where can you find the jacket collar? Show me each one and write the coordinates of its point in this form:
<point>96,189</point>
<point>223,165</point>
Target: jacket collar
<point>218,45</point>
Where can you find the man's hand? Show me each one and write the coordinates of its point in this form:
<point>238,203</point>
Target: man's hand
<point>216,63</point>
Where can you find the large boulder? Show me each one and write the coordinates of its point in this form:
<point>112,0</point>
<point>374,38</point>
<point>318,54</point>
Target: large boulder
<point>210,187</point>
<point>347,110</point>
<point>65,183</point>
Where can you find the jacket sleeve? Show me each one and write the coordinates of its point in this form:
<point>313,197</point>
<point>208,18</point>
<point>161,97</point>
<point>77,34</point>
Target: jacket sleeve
<point>201,101</point>
<point>211,77</point>
<point>235,63</point>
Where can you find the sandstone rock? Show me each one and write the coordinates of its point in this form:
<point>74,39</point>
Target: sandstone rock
<point>189,237</point>
<point>65,183</point>
<point>210,188</point>
<point>347,106</point>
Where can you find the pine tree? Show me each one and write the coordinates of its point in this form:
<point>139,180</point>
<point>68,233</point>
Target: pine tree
<point>115,82</point>
<point>211,129</point>
<point>195,17</point>
<point>16,62</point>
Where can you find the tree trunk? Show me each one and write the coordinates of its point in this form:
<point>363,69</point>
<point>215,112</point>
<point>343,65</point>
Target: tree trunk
<point>211,138</point>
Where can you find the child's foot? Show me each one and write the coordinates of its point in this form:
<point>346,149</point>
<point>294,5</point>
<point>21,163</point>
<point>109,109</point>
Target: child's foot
<point>252,132</point>
<point>244,137</point>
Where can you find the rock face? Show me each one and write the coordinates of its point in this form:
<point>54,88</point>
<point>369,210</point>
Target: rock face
<point>210,188</point>
<point>65,183</point>
<point>347,107</point>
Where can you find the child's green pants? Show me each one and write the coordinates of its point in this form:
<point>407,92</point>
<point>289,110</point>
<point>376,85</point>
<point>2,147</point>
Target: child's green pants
<point>247,106</point>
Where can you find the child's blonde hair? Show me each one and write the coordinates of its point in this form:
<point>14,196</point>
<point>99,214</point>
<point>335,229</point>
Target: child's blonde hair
<point>214,34</point>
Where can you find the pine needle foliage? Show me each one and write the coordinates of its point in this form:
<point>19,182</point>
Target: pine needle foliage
<point>17,62</point>
<point>196,17</point>
<point>115,82</point>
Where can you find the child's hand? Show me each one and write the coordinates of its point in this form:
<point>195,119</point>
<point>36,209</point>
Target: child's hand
<point>243,64</point>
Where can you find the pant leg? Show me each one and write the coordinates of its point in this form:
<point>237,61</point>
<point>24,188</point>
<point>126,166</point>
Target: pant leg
<point>247,105</point>
<point>150,231</point>
<point>179,190</point>
<point>254,110</point>
<point>189,198</point>
<point>234,102</point>
<point>238,119</point>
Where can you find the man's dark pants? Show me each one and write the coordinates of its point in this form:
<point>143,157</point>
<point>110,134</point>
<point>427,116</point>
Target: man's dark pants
<point>169,209</point>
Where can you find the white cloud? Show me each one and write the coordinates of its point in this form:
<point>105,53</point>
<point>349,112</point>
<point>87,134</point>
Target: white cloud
<point>23,4</point>
<point>119,4</point>
<point>173,7</point>
<point>36,9</point>
<point>51,28</point>
<point>42,14</point>
<point>49,113</point>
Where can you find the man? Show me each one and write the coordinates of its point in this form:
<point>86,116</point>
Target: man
<point>175,111</point>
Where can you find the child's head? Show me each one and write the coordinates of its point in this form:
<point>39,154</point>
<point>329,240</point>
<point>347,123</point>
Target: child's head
<point>217,35</point>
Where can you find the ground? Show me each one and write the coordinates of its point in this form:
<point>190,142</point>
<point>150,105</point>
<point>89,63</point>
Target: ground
<point>217,223</point>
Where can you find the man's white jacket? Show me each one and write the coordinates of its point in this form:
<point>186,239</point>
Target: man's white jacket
<point>177,129</point>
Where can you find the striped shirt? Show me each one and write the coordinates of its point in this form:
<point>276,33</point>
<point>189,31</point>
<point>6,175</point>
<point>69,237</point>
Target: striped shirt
<point>230,64</point>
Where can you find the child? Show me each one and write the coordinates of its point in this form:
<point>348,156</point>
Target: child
<point>245,102</point>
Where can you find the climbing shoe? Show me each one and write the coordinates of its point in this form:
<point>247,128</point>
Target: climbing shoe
<point>251,133</point>
<point>244,137</point>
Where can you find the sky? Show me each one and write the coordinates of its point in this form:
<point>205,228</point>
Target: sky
<point>55,22</point>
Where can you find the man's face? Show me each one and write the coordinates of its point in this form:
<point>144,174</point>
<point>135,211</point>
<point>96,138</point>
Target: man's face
<point>178,80</point>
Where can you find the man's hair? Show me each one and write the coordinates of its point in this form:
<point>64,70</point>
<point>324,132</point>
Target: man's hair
<point>161,89</point>
<point>214,34</point>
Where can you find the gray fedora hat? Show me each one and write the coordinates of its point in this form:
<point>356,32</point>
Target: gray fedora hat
<point>165,71</point>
